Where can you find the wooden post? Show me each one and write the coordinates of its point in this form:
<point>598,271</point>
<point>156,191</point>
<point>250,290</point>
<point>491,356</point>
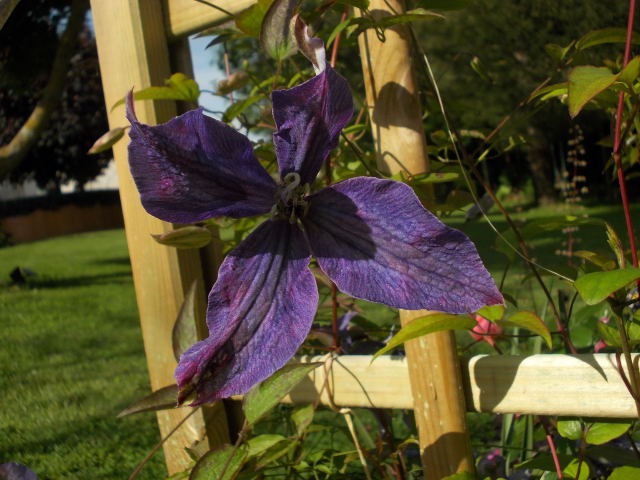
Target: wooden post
<point>133,53</point>
<point>434,369</point>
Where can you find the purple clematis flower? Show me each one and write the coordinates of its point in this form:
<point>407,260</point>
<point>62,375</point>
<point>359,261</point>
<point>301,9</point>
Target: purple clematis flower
<point>372,237</point>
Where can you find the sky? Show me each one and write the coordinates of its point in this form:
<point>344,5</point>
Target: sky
<point>207,73</point>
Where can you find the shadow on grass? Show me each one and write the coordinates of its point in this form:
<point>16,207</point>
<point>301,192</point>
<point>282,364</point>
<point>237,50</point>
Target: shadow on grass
<point>80,280</point>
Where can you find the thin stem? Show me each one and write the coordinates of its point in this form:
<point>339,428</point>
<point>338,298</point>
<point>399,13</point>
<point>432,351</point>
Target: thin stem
<point>624,378</point>
<point>617,145</point>
<point>552,447</point>
<point>626,350</point>
<point>336,43</point>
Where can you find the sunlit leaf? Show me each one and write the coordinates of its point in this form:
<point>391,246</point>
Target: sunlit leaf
<point>603,432</point>
<point>616,245</point>
<point>529,321</point>
<point>571,470</point>
<point>601,261</point>
<point>184,332</point>
<point>437,322</point>
<point>550,91</point>
<point>106,141</point>
<point>570,428</point>
<point>223,463</point>
<point>238,108</point>
<point>185,237</point>
<point>364,23</point>
<point>166,397</point>
<point>461,476</point>
<point>178,87</point>
<point>277,33</point>
<point>630,73</point>
<point>266,395</point>
<point>493,312</point>
<point>585,83</point>
<point>625,473</point>
<point>597,286</point>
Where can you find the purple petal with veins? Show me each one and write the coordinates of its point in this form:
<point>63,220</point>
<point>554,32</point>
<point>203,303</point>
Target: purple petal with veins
<point>309,119</point>
<point>194,167</point>
<point>260,311</point>
<point>376,241</point>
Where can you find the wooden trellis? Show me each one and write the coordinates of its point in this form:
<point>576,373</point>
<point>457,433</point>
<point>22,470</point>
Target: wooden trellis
<point>140,43</point>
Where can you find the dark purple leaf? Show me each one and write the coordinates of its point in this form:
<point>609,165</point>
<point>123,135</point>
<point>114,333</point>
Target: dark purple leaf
<point>309,119</point>
<point>260,311</point>
<point>374,239</point>
<point>194,167</point>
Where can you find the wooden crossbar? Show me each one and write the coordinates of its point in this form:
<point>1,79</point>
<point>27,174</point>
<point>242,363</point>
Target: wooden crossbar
<point>563,385</point>
<point>184,17</point>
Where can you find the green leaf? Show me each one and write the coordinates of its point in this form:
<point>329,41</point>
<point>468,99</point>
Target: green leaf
<point>585,83</point>
<point>278,450</point>
<point>239,107</point>
<point>493,312</point>
<point>185,237</point>
<point>250,20</point>
<point>597,286</point>
<point>435,177</point>
<point>550,91</point>
<point>625,473</point>
<point>609,334</point>
<point>184,332</point>
<point>261,443</point>
<point>630,73</point>
<point>178,87</point>
<point>106,141</point>
<point>557,52</point>
<point>302,418</point>
<point>428,324</point>
<point>529,321</point>
<point>605,35</point>
<point>223,463</point>
<point>277,35</point>
<point>266,395</point>
<point>166,397</point>
<point>461,476</point>
<point>570,428</point>
<point>571,470</point>
<point>616,245</point>
<point>601,261</point>
<point>603,432</point>
<point>364,23</point>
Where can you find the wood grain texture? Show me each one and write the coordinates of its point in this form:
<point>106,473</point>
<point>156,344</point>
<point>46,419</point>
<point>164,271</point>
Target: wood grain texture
<point>184,17</point>
<point>566,385</point>
<point>401,146</point>
<point>133,53</point>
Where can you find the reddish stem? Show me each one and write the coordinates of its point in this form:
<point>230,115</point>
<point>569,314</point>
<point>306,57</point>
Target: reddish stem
<point>336,43</point>
<point>617,143</point>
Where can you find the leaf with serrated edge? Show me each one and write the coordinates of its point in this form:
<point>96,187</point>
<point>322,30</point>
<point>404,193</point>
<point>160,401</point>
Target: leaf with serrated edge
<point>437,322</point>
<point>166,397</point>
<point>597,286</point>
<point>185,237</point>
<point>266,395</point>
<point>529,321</point>
<point>184,332</point>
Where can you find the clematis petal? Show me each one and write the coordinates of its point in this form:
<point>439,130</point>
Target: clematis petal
<point>309,118</point>
<point>260,311</point>
<point>374,239</point>
<point>194,167</point>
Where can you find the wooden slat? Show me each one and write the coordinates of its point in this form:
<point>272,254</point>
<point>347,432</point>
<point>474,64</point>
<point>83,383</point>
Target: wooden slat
<point>184,17</point>
<point>133,53</point>
<point>396,121</point>
<point>564,385</point>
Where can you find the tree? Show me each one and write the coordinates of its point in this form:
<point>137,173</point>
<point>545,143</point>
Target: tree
<point>506,40</point>
<point>73,108</point>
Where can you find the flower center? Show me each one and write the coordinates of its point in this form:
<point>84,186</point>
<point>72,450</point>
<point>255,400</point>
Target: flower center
<point>290,203</point>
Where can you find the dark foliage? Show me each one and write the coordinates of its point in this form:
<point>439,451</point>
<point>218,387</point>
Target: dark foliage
<point>27,46</point>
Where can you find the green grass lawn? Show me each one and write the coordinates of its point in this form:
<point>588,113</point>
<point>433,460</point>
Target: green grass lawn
<point>71,358</point>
